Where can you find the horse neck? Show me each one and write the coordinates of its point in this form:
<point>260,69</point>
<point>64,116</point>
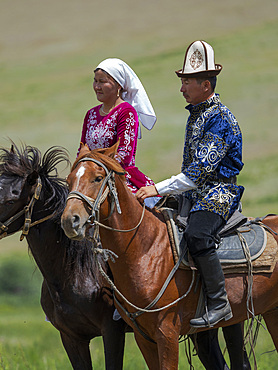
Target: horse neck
<point>65,265</point>
<point>144,255</point>
<point>131,214</point>
<point>47,244</point>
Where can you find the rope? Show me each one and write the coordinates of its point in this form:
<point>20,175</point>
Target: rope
<point>131,304</point>
<point>250,274</point>
<point>119,230</point>
<point>249,335</point>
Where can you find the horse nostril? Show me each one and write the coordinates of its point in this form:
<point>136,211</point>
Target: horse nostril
<point>75,221</point>
<point>15,192</point>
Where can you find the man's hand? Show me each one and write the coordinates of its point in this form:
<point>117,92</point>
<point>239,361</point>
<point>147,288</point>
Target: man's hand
<point>146,192</point>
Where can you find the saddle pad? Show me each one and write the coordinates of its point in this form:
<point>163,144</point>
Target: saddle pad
<point>230,249</point>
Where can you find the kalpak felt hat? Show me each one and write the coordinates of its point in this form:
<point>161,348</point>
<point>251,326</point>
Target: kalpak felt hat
<point>199,61</point>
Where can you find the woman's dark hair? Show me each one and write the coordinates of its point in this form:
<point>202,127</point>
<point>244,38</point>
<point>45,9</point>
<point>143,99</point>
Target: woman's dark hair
<point>100,69</point>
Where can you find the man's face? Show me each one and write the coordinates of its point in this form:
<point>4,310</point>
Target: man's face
<point>193,92</point>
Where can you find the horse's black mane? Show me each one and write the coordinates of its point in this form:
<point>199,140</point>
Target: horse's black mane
<point>25,160</point>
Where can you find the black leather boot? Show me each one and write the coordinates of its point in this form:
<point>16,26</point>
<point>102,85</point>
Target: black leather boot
<point>218,306</point>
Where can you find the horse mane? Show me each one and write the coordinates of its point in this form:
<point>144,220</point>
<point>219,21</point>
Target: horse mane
<point>24,160</point>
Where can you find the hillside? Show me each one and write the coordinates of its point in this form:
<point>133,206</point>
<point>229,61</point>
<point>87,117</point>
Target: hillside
<point>48,51</point>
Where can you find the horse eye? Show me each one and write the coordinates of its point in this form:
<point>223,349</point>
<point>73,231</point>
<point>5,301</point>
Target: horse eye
<point>98,179</point>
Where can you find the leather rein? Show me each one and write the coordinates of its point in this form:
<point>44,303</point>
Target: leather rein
<point>27,210</point>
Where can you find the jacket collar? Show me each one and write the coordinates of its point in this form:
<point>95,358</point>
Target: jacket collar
<point>214,99</point>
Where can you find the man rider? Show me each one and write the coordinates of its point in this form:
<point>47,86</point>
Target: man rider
<point>212,158</point>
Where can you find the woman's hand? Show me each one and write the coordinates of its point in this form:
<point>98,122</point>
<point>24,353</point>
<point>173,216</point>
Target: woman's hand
<point>146,192</point>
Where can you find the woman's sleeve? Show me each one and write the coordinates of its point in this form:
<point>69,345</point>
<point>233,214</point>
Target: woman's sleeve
<point>127,133</point>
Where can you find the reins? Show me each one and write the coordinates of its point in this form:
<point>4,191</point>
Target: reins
<point>133,315</point>
<point>27,210</point>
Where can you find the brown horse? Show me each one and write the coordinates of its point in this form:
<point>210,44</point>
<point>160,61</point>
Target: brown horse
<point>144,261</point>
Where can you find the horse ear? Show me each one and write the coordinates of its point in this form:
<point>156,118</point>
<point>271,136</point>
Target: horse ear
<point>110,152</point>
<point>12,149</point>
<point>32,178</point>
<point>83,149</point>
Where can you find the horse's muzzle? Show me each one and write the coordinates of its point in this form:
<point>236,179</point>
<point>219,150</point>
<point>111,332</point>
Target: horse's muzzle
<point>72,226</point>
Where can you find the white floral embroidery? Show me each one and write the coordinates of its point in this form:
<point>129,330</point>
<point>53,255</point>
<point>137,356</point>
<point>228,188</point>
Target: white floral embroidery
<point>221,194</point>
<point>100,135</point>
<point>197,128</point>
<point>104,133</point>
<point>129,137</point>
<point>209,153</point>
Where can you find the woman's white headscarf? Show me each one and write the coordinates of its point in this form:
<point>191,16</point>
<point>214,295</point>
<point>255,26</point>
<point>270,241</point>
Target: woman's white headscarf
<point>133,90</point>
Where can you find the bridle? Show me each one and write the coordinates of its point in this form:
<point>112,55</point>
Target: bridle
<point>27,211</point>
<point>108,186</point>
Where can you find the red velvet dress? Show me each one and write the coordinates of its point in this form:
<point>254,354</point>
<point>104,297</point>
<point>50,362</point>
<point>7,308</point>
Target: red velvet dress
<point>104,131</point>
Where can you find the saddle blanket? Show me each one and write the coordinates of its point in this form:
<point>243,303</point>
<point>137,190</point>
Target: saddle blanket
<point>247,242</point>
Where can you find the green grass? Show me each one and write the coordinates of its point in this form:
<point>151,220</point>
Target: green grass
<point>28,342</point>
<point>48,51</point>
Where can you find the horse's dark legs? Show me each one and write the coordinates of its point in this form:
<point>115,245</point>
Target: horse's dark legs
<point>114,342</point>
<point>233,335</point>
<point>208,350</point>
<point>210,353</point>
<point>78,352</point>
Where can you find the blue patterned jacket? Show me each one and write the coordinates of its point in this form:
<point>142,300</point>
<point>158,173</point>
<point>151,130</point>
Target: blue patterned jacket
<point>213,155</point>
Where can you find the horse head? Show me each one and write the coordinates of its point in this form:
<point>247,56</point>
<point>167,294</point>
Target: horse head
<point>91,183</point>
<point>21,172</point>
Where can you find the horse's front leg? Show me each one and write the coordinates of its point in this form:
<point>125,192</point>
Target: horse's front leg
<point>168,344</point>
<point>113,336</point>
<point>164,353</point>
<point>149,351</point>
<point>78,352</point>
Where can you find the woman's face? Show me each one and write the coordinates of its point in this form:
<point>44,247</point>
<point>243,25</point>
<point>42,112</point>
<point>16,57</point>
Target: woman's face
<point>106,88</point>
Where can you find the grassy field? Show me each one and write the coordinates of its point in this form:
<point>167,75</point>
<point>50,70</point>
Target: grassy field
<point>28,342</point>
<point>48,50</point>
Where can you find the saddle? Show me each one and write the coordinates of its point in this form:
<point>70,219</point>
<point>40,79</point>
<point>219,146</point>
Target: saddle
<point>241,241</point>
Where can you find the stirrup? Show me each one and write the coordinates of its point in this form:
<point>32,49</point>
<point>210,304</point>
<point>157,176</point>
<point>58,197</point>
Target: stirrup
<point>213,317</point>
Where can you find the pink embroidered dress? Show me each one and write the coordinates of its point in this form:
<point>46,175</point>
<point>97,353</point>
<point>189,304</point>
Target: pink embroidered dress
<point>104,131</point>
